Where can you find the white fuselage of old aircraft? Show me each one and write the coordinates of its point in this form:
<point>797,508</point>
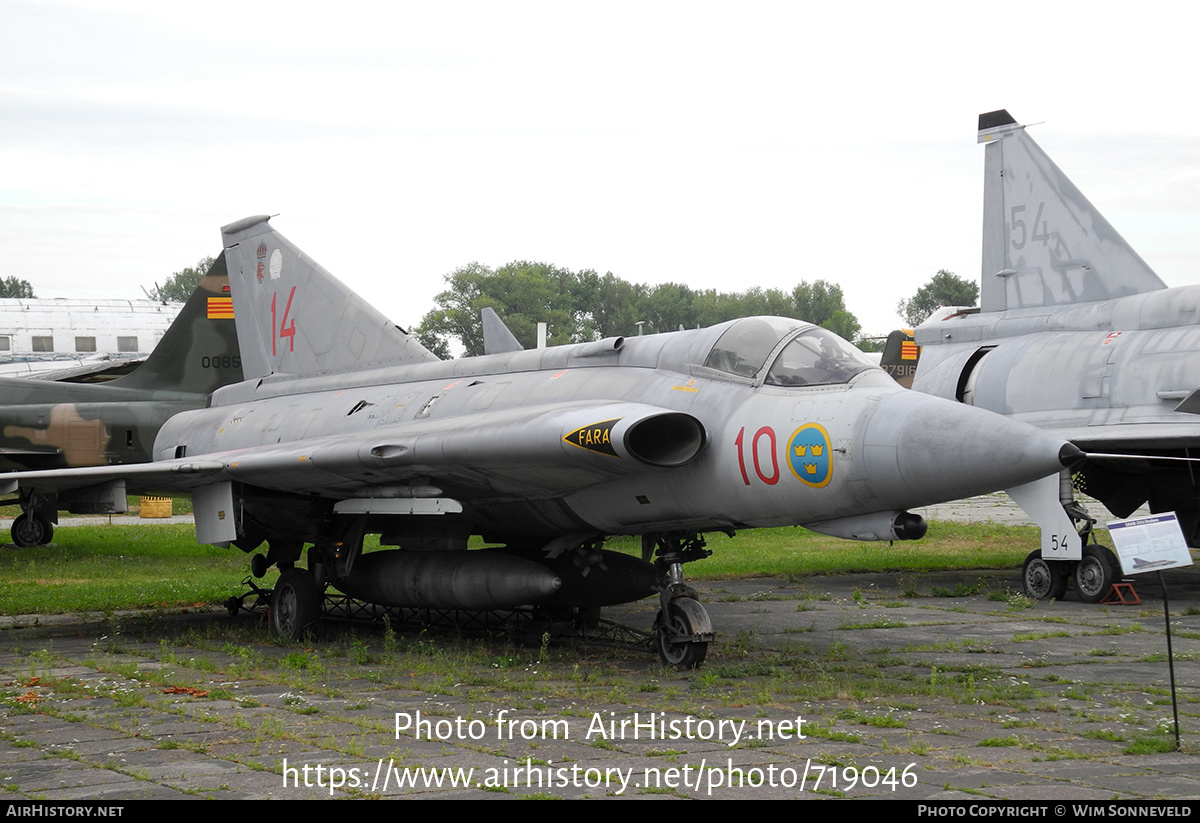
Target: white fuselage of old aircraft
<point>45,334</point>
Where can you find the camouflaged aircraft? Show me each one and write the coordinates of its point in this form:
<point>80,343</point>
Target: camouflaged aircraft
<point>346,426</point>
<point>1077,335</point>
<point>57,424</point>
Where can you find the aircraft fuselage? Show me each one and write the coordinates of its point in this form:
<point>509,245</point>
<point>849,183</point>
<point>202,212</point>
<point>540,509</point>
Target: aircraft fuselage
<point>527,424</point>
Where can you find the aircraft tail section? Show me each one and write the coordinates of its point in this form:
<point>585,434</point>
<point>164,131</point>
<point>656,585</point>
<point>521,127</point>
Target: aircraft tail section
<point>497,337</point>
<point>900,357</point>
<point>1044,244</point>
<point>199,352</point>
<point>294,317</point>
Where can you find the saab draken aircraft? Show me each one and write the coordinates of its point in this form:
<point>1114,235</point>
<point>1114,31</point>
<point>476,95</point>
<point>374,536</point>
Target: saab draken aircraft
<point>46,424</point>
<point>346,426</point>
<point>1076,335</point>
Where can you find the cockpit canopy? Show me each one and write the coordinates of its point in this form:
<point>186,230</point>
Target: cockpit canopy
<point>811,357</point>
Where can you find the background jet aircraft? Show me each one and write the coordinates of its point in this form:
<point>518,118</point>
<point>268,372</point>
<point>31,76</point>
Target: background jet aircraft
<point>1075,334</point>
<point>347,426</point>
<point>46,425</point>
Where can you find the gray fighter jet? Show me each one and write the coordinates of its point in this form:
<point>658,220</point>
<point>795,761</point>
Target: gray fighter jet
<point>1075,334</point>
<point>346,426</point>
<point>47,424</point>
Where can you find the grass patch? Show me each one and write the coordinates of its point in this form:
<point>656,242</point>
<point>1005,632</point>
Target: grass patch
<point>795,552</point>
<point>1000,742</point>
<point>105,568</point>
<point>1148,744</point>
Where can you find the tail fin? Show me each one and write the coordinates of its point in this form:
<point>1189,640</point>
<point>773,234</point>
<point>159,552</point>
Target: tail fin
<point>900,357</point>
<point>497,338</point>
<point>293,317</point>
<point>1044,244</point>
<point>199,352</point>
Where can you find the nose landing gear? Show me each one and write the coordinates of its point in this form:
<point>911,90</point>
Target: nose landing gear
<point>682,629</point>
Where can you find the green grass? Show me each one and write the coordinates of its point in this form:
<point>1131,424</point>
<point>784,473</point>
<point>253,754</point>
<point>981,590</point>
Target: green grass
<point>105,567</point>
<point>179,505</point>
<point>798,552</point>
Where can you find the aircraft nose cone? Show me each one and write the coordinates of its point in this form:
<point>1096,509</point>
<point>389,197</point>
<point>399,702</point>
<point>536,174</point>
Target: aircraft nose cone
<point>920,449</point>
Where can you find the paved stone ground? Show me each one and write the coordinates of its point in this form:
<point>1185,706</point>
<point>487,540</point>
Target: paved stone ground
<point>936,686</point>
<point>942,685</point>
<point>999,508</point>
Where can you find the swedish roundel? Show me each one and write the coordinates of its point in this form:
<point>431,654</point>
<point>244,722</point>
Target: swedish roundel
<point>808,455</point>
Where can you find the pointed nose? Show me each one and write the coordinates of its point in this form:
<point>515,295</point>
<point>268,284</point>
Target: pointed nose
<point>919,449</point>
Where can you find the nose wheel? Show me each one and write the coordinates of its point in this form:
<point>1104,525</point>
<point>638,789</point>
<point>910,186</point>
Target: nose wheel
<point>680,632</point>
<point>682,629</point>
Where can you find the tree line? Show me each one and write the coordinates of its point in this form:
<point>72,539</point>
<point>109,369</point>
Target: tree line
<point>579,306</point>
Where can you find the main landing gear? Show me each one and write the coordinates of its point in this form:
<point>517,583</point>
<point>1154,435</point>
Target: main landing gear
<point>1044,579</point>
<point>295,604</point>
<point>32,529</point>
<point>35,525</point>
<point>682,629</point>
<point>1093,574</point>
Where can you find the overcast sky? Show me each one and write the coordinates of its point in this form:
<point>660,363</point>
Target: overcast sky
<point>717,144</point>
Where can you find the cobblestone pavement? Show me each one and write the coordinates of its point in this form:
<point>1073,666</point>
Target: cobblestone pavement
<point>946,685</point>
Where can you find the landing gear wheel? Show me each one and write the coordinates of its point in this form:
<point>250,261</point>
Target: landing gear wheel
<point>30,530</point>
<point>1095,573</point>
<point>295,604</point>
<point>1044,579</point>
<point>259,565</point>
<point>677,624</point>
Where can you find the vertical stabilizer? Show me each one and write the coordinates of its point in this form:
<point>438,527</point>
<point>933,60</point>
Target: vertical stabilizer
<point>900,357</point>
<point>497,337</point>
<point>1044,244</point>
<point>293,317</point>
<point>199,352</point>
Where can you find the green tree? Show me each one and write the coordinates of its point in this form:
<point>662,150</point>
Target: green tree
<point>667,307</point>
<point>180,285</point>
<point>581,306</point>
<point>13,286</point>
<point>522,293</point>
<point>824,304</point>
<point>615,307</point>
<point>944,289</point>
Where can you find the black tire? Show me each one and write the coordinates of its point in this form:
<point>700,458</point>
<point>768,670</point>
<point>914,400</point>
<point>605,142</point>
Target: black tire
<point>1044,579</point>
<point>259,566</point>
<point>1095,573</point>
<point>680,655</point>
<point>31,530</point>
<point>295,604</point>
